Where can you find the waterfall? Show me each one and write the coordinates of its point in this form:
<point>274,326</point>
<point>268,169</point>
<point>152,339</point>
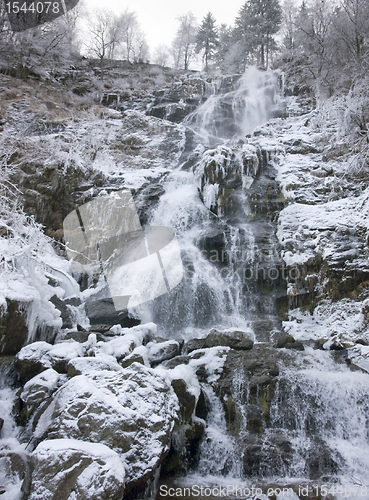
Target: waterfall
<point>237,113</point>
<point>208,295</point>
<point>209,207</point>
<point>10,448</point>
<point>308,424</point>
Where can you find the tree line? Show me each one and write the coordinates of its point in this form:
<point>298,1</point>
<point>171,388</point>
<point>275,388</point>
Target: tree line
<point>324,41</point>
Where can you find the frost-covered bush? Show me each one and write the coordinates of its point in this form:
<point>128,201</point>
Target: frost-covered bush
<point>349,115</point>
<point>28,262</point>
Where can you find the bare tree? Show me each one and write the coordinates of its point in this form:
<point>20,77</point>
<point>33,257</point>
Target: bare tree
<point>161,55</point>
<point>351,21</point>
<point>103,28</point>
<point>184,43</point>
<point>38,49</point>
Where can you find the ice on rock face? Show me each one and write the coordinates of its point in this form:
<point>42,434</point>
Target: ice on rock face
<point>71,469</point>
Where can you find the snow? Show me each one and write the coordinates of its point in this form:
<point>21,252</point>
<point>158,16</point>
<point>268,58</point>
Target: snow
<point>40,386</point>
<point>101,470</point>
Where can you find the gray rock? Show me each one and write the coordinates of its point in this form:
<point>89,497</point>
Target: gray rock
<point>178,360</point>
<point>193,345</point>
<point>31,360</point>
<point>134,357</point>
<point>283,340</point>
<point>187,400</point>
<point>103,312</point>
<point>157,353</point>
<point>80,366</point>
<point>40,387</point>
<point>235,339</point>
<point>298,346</point>
<point>39,356</point>
<point>66,468</point>
<point>131,411</point>
<point>13,327</point>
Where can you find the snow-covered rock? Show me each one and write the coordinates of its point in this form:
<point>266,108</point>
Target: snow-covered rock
<point>132,411</point>
<point>157,353</point>
<point>39,356</point>
<point>74,470</point>
<point>40,387</point>
<point>84,366</point>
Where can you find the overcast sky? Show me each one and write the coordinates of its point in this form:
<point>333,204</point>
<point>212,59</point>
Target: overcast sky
<point>158,17</point>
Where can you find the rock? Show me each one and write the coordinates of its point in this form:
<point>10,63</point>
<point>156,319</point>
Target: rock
<point>60,354</point>
<point>39,356</point>
<point>1,424</point>
<point>186,398</point>
<point>82,337</point>
<point>266,456</point>
<point>176,361</point>
<point>283,340</point>
<point>319,461</point>
<point>318,344</point>
<point>32,360</point>
<point>193,345</point>
<point>100,328</point>
<point>157,353</point>
<point>66,468</point>
<point>131,411</point>
<point>103,312</point>
<point>84,366</point>
<point>299,346</point>
<point>40,387</point>
<point>13,327</point>
<point>66,312</point>
<point>234,339</point>
<point>257,369</point>
<point>135,357</point>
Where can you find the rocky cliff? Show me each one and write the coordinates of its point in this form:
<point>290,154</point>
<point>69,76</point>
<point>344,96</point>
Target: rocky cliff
<point>255,366</point>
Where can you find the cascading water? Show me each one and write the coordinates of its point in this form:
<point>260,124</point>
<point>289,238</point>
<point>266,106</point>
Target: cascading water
<point>307,424</point>
<point>236,113</point>
<point>209,209</point>
<point>12,456</point>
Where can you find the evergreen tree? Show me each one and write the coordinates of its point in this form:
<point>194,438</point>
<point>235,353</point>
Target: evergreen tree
<point>257,22</point>
<point>207,38</point>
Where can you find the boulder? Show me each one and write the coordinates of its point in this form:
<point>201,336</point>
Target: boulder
<point>298,346</point>
<point>13,327</point>
<point>235,339</point>
<point>40,387</point>
<point>84,366</point>
<point>32,360</point>
<point>103,312</point>
<point>131,411</point>
<point>157,353</point>
<point>193,345</point>
<point>66,469</point>
<point>134,357</point>
<point>39,356</point>
<point>283,340</point>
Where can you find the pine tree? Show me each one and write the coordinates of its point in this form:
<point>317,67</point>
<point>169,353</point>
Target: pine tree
<point>207,38</point>
<point>257,22</point>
